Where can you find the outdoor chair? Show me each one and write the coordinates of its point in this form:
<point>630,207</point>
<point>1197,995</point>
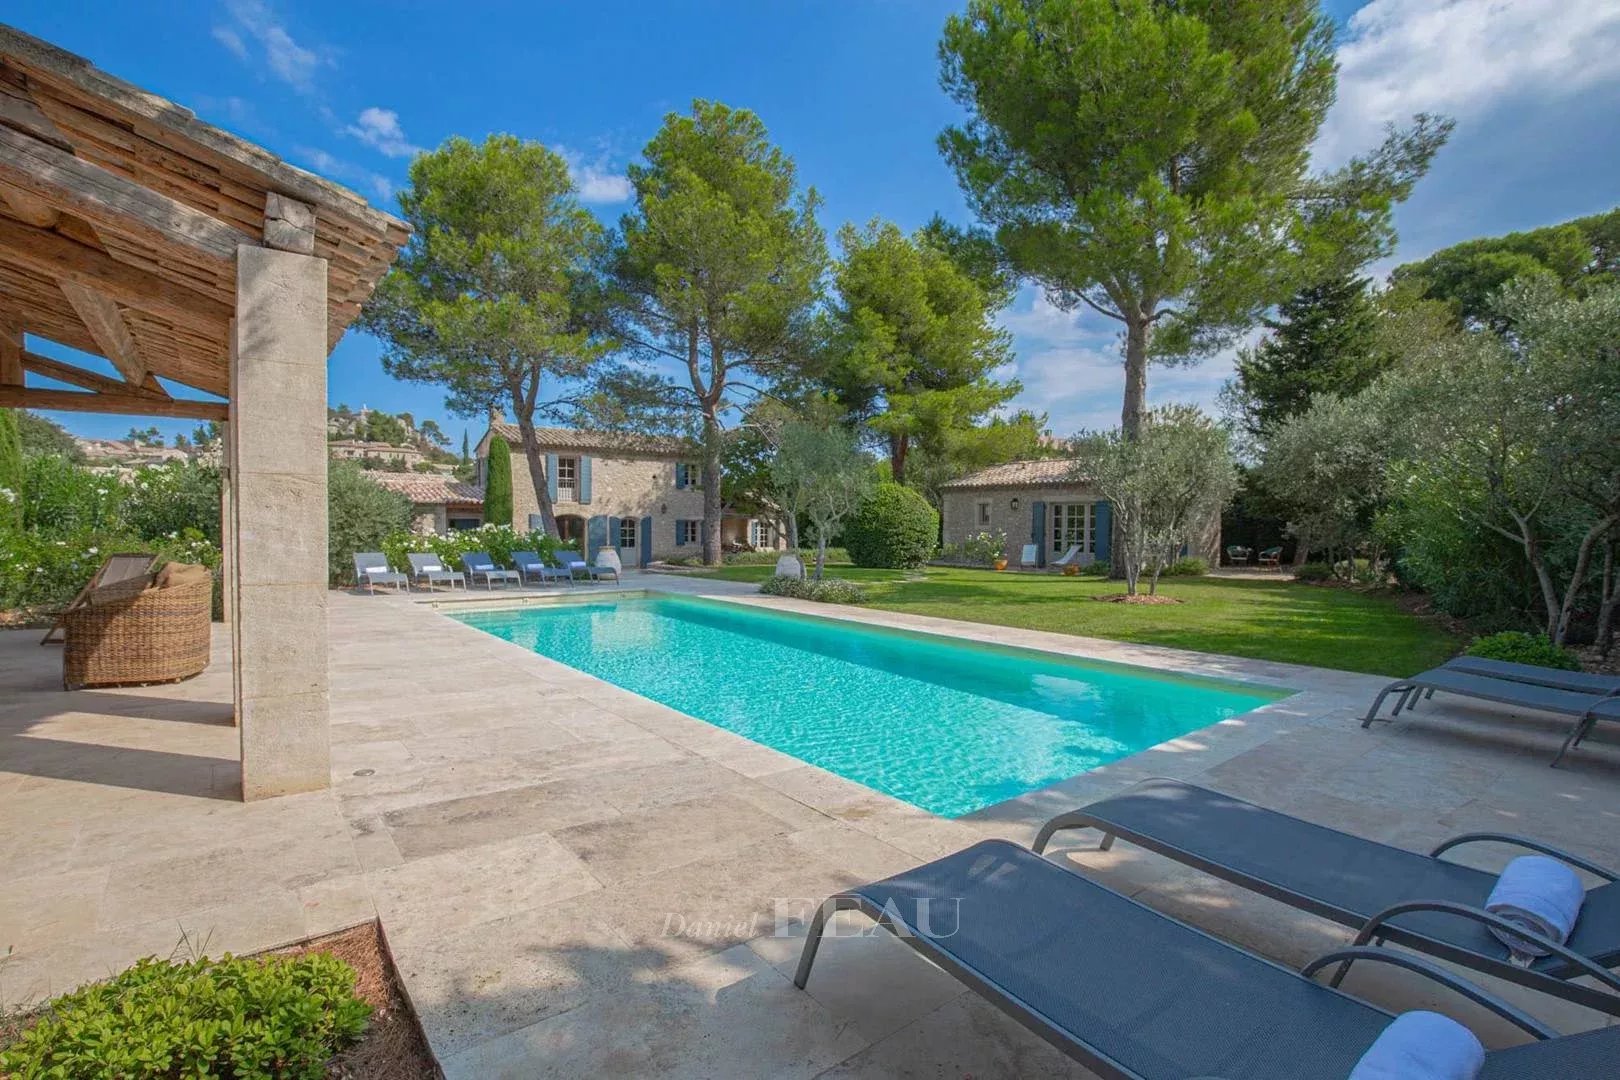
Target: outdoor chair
<point>1130,993</point>
<point>1237,555</point>
<point>530,564</point>
<point>607,562</point>
<point>1423,902</point>
<point>371,570</point>
<point>146,629</point>
<point>790,566</point>
<point>114,569</point>
<point>1073,557</point>
<point>478,564</point>
<point>1581,682</point>
<point>427,567</point>
<point>576,565</point>
<point>1270,559</point>
<point>1030,557</point>
<point>1586,708</point>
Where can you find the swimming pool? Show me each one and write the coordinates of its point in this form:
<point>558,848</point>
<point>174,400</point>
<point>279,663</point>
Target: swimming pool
<point>946,725</point>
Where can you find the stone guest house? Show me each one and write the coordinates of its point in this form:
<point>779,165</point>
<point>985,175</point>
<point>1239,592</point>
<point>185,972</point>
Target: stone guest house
<point>1033,502</point>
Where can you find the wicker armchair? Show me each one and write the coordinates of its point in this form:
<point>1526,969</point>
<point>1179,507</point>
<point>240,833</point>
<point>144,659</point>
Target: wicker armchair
<point>145,630</point>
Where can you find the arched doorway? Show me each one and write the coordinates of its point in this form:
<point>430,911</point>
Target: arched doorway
<point>571,527</point>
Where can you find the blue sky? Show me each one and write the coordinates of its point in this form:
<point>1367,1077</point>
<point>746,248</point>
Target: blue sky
<point>850,90</point>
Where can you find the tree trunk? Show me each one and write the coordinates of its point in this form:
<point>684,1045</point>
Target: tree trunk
<point>1577,577</point>
<point>821,552</point>
<point>537,472</point>
<point>899,444</point>
<point>792,530</point>
<point>712,509</point>
<point>1610,598</point>
<point>1136,361</point>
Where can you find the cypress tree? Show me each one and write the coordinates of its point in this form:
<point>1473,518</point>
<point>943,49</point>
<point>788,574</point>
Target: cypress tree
<point>498,484</point>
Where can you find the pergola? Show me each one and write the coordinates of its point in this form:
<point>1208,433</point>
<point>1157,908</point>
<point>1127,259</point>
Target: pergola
<point>131,230</point>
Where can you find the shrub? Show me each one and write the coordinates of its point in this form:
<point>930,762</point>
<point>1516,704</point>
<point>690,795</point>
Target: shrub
<point>1522,648</point>
<point>169,499</point>
<point>894,528</point>
<point>11,471</point>
<point>63,499</point>
<point>233,1018</point>
<point>40,571</point>
<point>1314,571</point>
<point>360,517</point>
<point>498,540</point>
<point>498,483</point>
<point>980,550</point>
<point>826,591</point>
<point>1190,566</point>
<point>1099,568</point>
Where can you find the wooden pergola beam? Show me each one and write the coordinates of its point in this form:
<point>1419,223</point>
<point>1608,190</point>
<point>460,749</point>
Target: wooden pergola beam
<point>106,325</point>
<point>89,380</point>
<point>28,397</point>
<point>107,200</point>
<point>11,349</point>
<point>29,208</point>
<point>61,259</point>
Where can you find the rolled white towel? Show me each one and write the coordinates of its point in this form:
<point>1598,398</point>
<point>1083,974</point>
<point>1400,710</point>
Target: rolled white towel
<point>1540,894</point>
<point>1422,1046</point>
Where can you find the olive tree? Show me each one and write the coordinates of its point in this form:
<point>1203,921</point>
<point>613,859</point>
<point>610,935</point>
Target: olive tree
<point>820,471</point>
<point>1161,486</point>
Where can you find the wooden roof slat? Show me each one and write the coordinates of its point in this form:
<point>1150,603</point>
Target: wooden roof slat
<point>106,325</point>
<point>30,397</point>
<point>108,200</point>
<point>89,380</point>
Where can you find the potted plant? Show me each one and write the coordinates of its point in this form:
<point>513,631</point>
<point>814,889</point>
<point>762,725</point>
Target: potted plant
<point>1000,563</point>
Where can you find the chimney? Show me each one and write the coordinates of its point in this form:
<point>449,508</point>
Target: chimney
<point>496,416</point>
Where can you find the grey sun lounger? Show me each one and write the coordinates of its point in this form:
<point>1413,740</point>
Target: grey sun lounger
<point>1133,994</point>
<point>1582,682</point>
<point>478,564</point>
<point>1585,708</point>
<point>427,567</point>
<point>530,564</point>
<point>1423,902</point>
<point>371,570</point>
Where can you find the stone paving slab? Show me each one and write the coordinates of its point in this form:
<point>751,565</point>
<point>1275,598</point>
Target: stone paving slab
<point>577,881</point>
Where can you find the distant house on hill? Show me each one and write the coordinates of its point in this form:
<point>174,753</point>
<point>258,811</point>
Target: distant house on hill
<point>439,504</point>
<point>358,450</point>
<point>639,494</point>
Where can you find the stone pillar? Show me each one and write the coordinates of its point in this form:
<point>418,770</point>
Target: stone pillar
<point>277,458</point>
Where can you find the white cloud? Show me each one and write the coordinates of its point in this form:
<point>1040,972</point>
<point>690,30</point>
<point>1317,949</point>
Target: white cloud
<point>596,180</point>
<point>1463,58</point>
<point>292,63</point>
<point>380,130</point>
<point>347,172</point>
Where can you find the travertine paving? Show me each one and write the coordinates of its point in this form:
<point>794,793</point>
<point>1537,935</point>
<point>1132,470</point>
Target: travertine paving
<point>578,881</point>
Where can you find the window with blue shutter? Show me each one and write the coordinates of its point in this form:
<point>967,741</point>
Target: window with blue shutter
<point>584,495</point>
<point>596,536</point>
<point>551,477</point>
<point>1105,530</point>
<point>681,476</point>
<point>1037,532</point>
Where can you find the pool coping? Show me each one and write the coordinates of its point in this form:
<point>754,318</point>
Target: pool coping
<point>1318,697</point>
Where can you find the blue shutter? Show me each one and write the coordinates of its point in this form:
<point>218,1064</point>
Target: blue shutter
<point>596,535</point>
<point>1037,532</point>
<point>680,474</point>
<point>1105,530</point>
<point>536,523</point>
<point>583,484</point>
<point>646,541</point>
<point>551,478</point>
<point>613,533</point>
<point>680,534</point>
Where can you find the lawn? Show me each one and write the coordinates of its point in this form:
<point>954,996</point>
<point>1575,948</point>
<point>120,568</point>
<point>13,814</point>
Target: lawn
<point>1268,619</point>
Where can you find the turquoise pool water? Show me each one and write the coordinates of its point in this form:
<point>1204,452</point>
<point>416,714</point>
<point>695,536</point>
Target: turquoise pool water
<point>946,725</point>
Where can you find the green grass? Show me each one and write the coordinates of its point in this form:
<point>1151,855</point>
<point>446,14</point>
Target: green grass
<point>1275,619</point>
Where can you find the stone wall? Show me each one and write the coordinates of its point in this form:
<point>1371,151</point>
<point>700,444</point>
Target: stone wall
<point>961,512</point>
<point>635,487</point>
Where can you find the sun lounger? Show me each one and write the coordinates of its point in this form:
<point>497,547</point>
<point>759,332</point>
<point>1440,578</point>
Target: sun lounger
<point>428,568</point>
<point>478,564</point>
<point>1581,682</point>
<point>576,566</point>
<point>1130,993</point>
<point>1424,902</point>
<point>1072,557</point>
<point>530,564</point>
<point>371,570</point>
<point>1030,557</point>
<point>1585,708</point>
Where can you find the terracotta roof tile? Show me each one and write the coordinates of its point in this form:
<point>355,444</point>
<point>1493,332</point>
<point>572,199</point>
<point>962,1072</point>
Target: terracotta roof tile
<point>428,488</point>
<point>1045,472</point>
<point>561,438</point>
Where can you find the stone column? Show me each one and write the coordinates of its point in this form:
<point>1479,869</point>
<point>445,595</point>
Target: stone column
<point>277,457</point>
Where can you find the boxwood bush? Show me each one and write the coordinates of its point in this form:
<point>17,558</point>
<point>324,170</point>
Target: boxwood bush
<point>1314,571</point>
<point>1188,566</point>
<point>894,528</point>
<point>274,1018</point>
<point>827,590</point>
<point>1522,648</point>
